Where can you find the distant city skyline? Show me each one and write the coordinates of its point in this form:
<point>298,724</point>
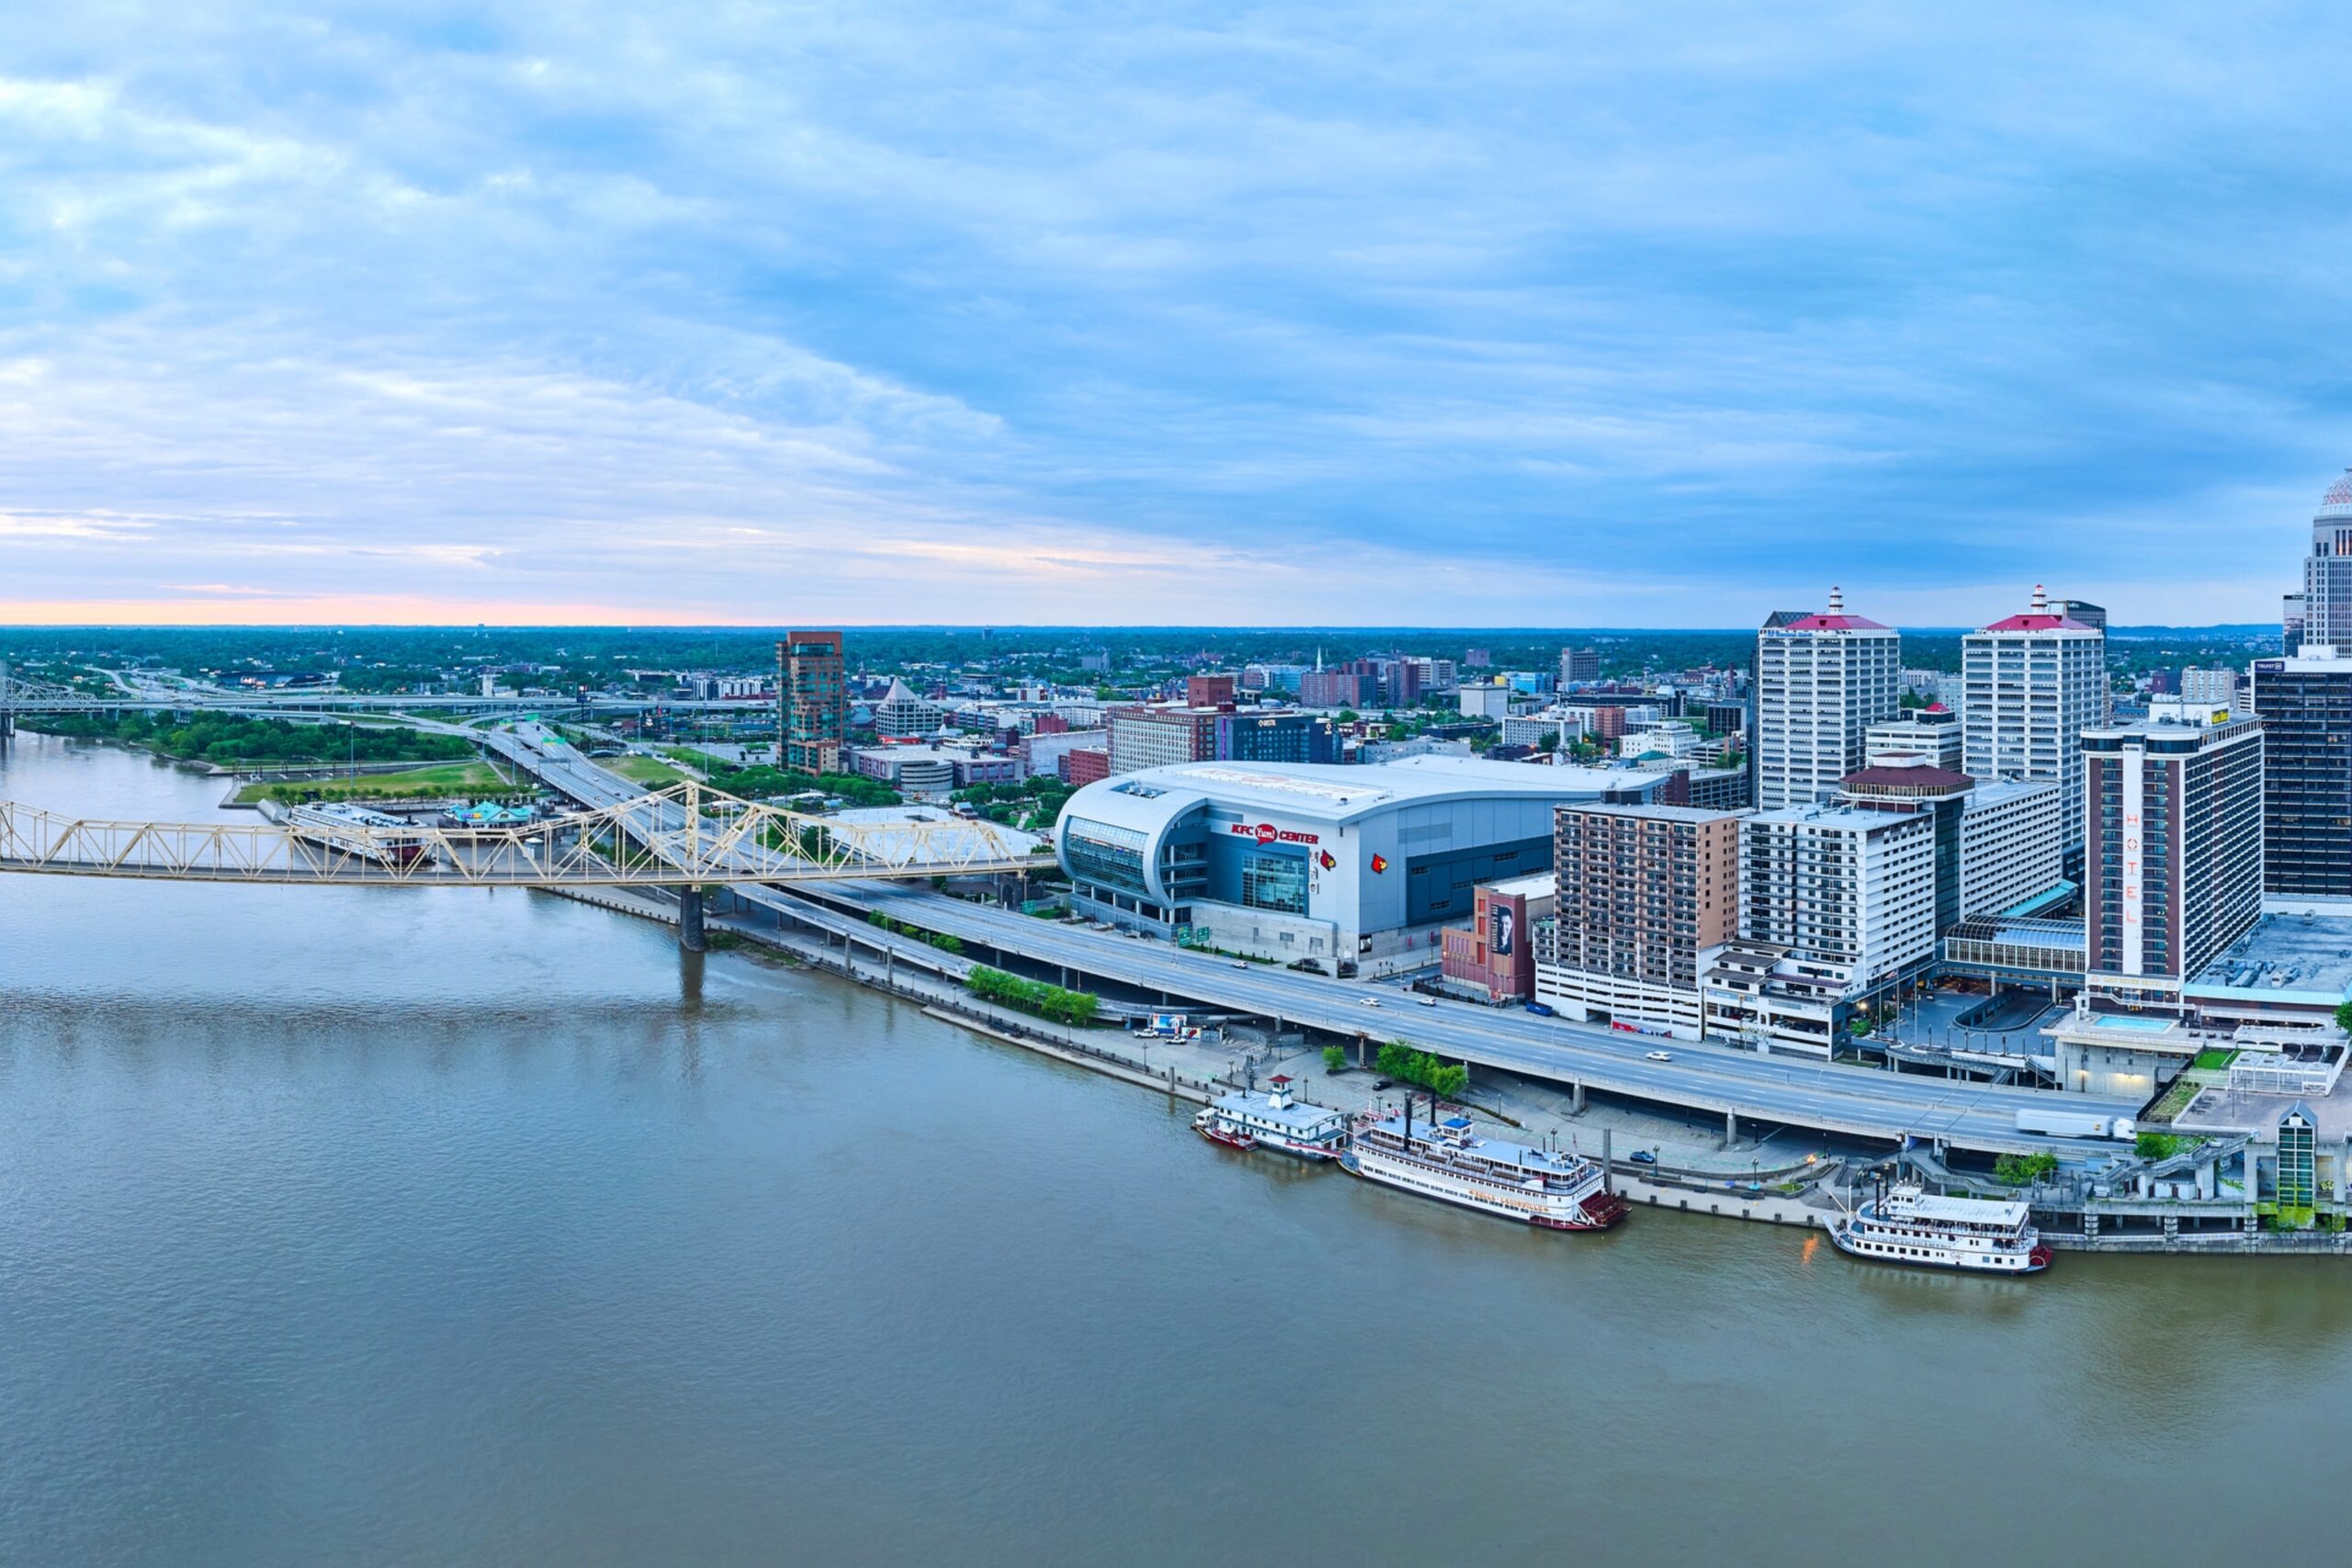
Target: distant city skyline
<point>1385,315</point>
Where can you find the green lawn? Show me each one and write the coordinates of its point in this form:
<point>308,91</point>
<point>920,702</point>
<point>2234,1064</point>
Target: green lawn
<point>445,779</point>
<point>651,772</point>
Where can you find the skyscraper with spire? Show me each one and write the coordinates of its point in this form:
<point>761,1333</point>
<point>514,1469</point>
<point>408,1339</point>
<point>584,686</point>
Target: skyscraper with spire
<point>2327,571</point>
<point>1822,680</point>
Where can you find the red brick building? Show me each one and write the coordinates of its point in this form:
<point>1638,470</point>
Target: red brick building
<point>1498,953</point>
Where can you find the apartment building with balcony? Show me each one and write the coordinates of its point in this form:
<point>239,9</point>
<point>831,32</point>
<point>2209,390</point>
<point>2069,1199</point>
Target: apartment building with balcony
<point>1643,894</point>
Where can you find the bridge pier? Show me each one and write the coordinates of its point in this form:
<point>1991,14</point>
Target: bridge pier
<point>1576,1098</point>
<point>690,930</point>
<point>1731,1128</point>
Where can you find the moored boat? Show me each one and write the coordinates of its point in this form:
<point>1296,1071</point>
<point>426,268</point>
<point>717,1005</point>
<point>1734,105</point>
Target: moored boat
<point>1273,1120</point>
<point>1450,1161</point>
<point>1904,1224</point>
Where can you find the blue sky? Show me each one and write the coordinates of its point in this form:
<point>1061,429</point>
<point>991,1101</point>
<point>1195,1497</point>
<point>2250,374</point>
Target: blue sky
<point>1454,314</point>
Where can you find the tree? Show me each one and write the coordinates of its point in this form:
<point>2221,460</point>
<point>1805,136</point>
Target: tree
<point>1335,1058</point>
<point>2344,1017</point>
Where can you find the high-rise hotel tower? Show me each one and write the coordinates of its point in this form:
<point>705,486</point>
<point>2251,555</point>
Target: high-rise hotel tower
<point>1822,680</point>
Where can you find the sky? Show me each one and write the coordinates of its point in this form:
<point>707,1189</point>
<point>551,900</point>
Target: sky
<point>1414,314</point>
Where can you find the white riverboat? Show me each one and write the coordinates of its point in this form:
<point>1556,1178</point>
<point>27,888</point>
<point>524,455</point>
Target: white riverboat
<point>1273,1120</point>
<point>1904,1224</point>
<point>1452,1163</point>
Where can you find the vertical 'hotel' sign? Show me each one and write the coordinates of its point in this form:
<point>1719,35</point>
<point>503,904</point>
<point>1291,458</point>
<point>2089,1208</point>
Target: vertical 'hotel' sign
<point>2130,762</point>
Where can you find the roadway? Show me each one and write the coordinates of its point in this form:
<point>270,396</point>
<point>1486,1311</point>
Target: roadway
<point>1856,1101</point>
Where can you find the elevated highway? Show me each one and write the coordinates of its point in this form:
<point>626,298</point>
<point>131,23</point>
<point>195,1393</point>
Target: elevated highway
<point>1826,1097</point>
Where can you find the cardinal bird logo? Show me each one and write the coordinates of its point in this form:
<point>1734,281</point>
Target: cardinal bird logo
<point>1379,864</point>
<point>1325,860</point>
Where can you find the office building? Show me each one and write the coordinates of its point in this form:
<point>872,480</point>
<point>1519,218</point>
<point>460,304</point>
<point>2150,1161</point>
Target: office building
<point>1160,736</point>
<point>1836,903</point>
<point>2034,683</point>
<point>2012,847</point>
<point>811,702</point>
<point>1485,700</point>
<point>1258,735</point>
<point>2292,612</point>
<point>1579,664</point>
<point>2305,708</point>
<point>903,716</point>
<point>1332,689</point>
<point>1997,844</point>
<point>1208,691</point>
<point>1921,738</point>
<point>1041,754</point>
<point>2215,688</point>
<point>2175,869</point>
<point>1822,680</point>
<point>1643,894</point>
<point>2081,610</point>
<point>1084,765</point>
<point>2327,571</point>
<point>931,772</point>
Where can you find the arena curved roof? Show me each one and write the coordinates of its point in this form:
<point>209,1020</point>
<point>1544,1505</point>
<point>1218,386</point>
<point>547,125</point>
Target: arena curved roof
<point>1333,793</point>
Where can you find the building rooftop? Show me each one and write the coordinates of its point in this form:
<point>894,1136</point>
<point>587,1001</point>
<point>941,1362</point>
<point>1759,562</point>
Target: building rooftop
<point>1534,884</point>
<point>2043,623</point>
<point>2337,501</point>
<point>2000,792</point>
<point>1937,780</point>
<point>1338,793</point>
<point>2287,958</point>
<point>2041,617</point>
<point>1861,819</point>
<point>1832,619</point>
<point>1658,813</point>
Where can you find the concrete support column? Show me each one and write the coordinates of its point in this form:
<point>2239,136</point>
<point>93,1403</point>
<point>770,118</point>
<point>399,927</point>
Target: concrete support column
<point>1576,1097</point>
<point>1731,1128</point>
<point>1608,1164</point>
<point>690,931</point>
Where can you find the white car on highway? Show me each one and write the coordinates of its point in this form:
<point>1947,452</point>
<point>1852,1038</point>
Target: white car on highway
<point>1661,1055</point>
<point>1370,1001</point>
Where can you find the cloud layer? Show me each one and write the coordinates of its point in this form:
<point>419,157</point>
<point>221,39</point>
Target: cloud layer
<point>1400,313</point>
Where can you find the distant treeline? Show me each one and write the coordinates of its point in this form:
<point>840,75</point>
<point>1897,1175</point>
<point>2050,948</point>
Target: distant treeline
<point>226,740</point>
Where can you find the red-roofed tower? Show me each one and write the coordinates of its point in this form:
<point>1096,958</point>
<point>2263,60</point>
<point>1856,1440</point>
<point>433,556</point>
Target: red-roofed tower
<point>1822,680</point>
<point>2033,682</point>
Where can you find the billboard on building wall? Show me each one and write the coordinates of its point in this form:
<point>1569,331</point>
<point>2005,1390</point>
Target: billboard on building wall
<point>1502,928</point>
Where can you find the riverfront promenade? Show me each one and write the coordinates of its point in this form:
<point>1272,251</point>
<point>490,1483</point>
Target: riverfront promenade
<point>1702,1077</point>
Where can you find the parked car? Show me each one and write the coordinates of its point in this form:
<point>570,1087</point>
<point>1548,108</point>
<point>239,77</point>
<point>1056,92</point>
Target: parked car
<point>1643,1157</point>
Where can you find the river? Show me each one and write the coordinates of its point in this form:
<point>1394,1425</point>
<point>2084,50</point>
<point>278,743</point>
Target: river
<point>388,1226</point>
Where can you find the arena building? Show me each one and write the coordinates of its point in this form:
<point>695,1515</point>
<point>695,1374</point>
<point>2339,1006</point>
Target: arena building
<point>1361,868</point>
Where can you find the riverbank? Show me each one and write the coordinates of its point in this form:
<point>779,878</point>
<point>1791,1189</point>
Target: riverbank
<point>1734,1185</point>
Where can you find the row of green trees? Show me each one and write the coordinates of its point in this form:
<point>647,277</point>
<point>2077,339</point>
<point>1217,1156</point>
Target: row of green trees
<point>939,939</point>
<point>228,739</point>
<point>759,781</point>
<point>1032,996</point>
<point>1401,1062</point>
